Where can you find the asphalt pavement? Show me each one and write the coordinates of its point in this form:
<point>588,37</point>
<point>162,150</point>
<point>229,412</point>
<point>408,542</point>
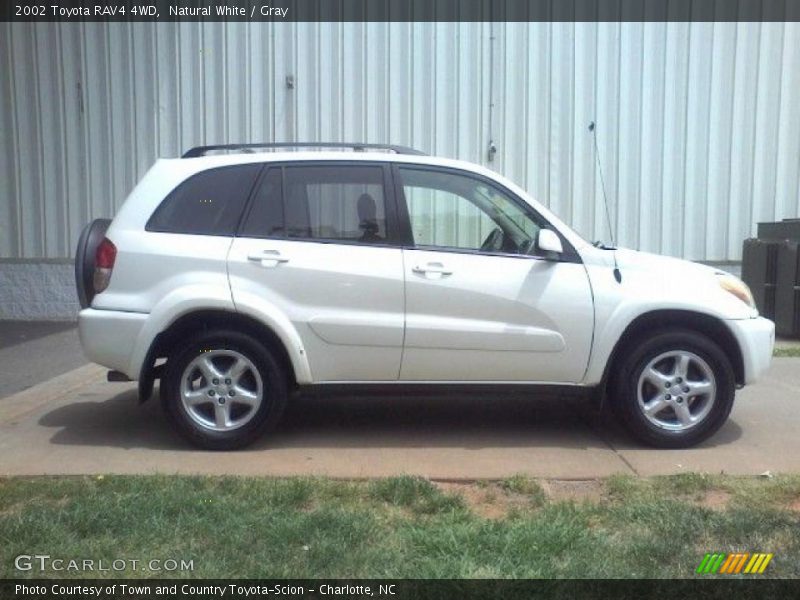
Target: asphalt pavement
<point>77,423</point>
<point>35,351</point>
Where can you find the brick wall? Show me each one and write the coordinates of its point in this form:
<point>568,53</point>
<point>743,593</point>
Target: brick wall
<point>41,291</point>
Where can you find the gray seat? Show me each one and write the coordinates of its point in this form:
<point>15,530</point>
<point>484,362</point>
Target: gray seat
<point>368,218</point>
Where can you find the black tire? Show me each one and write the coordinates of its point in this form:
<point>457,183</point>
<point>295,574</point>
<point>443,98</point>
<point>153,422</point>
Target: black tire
<point>266,417</point>
<point>625,384</point>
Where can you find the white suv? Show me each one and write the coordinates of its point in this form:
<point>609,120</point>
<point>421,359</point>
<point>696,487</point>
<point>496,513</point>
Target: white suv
<point>239,274</point>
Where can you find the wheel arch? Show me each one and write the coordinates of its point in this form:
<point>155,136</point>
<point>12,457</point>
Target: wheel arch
<point>206,320</point>
<point>660,320</point>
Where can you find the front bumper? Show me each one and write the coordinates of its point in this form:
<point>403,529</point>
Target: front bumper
<point>108,337</point>
<point>756,338</point>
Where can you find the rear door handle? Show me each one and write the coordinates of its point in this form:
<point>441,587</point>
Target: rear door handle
<point>268,258</point>
<point>432,270</point>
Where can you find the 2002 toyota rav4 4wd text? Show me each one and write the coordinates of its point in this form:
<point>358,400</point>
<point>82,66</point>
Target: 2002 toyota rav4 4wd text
<point>236,276</point>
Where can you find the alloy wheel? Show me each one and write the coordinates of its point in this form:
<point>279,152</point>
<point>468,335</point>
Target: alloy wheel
<point>221,390</point>
<point>676,390</point>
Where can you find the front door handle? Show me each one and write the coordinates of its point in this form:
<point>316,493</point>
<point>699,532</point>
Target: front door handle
<point>268,258</point>
<point>433,270</point>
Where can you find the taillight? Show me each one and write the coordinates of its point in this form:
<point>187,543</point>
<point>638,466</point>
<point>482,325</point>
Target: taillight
<point>103,264</point>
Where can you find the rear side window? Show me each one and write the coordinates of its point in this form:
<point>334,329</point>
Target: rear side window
<point>208,203</point>
<point>266,211</point>
<point>335,203</point>
<point>332,203</point>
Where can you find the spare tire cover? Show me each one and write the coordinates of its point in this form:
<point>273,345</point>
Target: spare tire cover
<point>91,236</point>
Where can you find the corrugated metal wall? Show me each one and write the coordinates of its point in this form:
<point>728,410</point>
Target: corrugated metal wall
<point>698,123</point>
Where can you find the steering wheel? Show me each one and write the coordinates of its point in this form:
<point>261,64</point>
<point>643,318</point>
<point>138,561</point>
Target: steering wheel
<point>493,241</point>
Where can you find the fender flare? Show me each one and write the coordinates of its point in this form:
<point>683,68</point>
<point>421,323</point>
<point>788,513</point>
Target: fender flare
<point>182,302</point>
<point>276,320</point>
<point>624,321</point>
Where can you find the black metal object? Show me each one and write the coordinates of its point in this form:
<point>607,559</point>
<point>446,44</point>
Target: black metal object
<point>787,290</point>
<point>759,271</point>
<point>788,229</point>
<point>771,267</point>
<point>203,150</point>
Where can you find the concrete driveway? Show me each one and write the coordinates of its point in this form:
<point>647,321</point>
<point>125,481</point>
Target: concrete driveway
<point>77,423</point>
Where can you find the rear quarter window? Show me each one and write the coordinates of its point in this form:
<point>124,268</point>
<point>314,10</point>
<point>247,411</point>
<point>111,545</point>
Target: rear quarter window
<point>208,203</point>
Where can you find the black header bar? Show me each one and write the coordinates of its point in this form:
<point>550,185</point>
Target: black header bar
<point>397,10</point>
<point>731,588</point>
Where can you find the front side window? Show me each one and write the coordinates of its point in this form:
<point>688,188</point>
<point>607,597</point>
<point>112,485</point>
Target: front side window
<point>208,203</point>
<point>448,210</point>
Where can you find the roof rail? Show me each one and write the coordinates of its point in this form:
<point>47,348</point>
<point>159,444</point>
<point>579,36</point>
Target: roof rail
<point>203,150</point>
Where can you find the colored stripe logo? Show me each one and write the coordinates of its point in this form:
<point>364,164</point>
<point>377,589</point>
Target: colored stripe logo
<point>735,563</point>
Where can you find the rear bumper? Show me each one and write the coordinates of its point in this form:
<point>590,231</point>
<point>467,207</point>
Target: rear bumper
<point>108,337</point>
<point>756,339</point>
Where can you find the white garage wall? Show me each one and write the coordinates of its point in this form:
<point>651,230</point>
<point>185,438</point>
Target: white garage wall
<point>698,123</point>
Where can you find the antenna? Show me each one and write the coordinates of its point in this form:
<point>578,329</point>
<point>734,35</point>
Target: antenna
<point>617,274</point>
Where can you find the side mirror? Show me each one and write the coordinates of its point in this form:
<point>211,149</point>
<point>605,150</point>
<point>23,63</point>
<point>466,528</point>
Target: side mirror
<point>548,242</point>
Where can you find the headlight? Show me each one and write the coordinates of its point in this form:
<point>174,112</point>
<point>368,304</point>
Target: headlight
<point>737,287</point>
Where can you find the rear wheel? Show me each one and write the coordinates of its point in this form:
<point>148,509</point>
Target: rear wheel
<point>674,389</point>
<point>223,390</point>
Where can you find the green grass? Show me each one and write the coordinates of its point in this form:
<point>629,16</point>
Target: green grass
<point>791,351</point>
<point>401,527</point>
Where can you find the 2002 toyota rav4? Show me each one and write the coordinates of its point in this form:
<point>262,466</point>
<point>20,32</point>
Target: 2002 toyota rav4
<point>238,277</point>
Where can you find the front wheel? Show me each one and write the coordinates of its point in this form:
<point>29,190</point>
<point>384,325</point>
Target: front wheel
<point>674,389</point>
<point>223,390</point>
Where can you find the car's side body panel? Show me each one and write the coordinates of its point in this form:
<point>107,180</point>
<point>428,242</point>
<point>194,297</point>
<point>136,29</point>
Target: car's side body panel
<point>756,338</point>
<point>492,317</point>
<point>652,283</point>
<point>163,276</point>
<point>346,302</point>
<point>109,337</point>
